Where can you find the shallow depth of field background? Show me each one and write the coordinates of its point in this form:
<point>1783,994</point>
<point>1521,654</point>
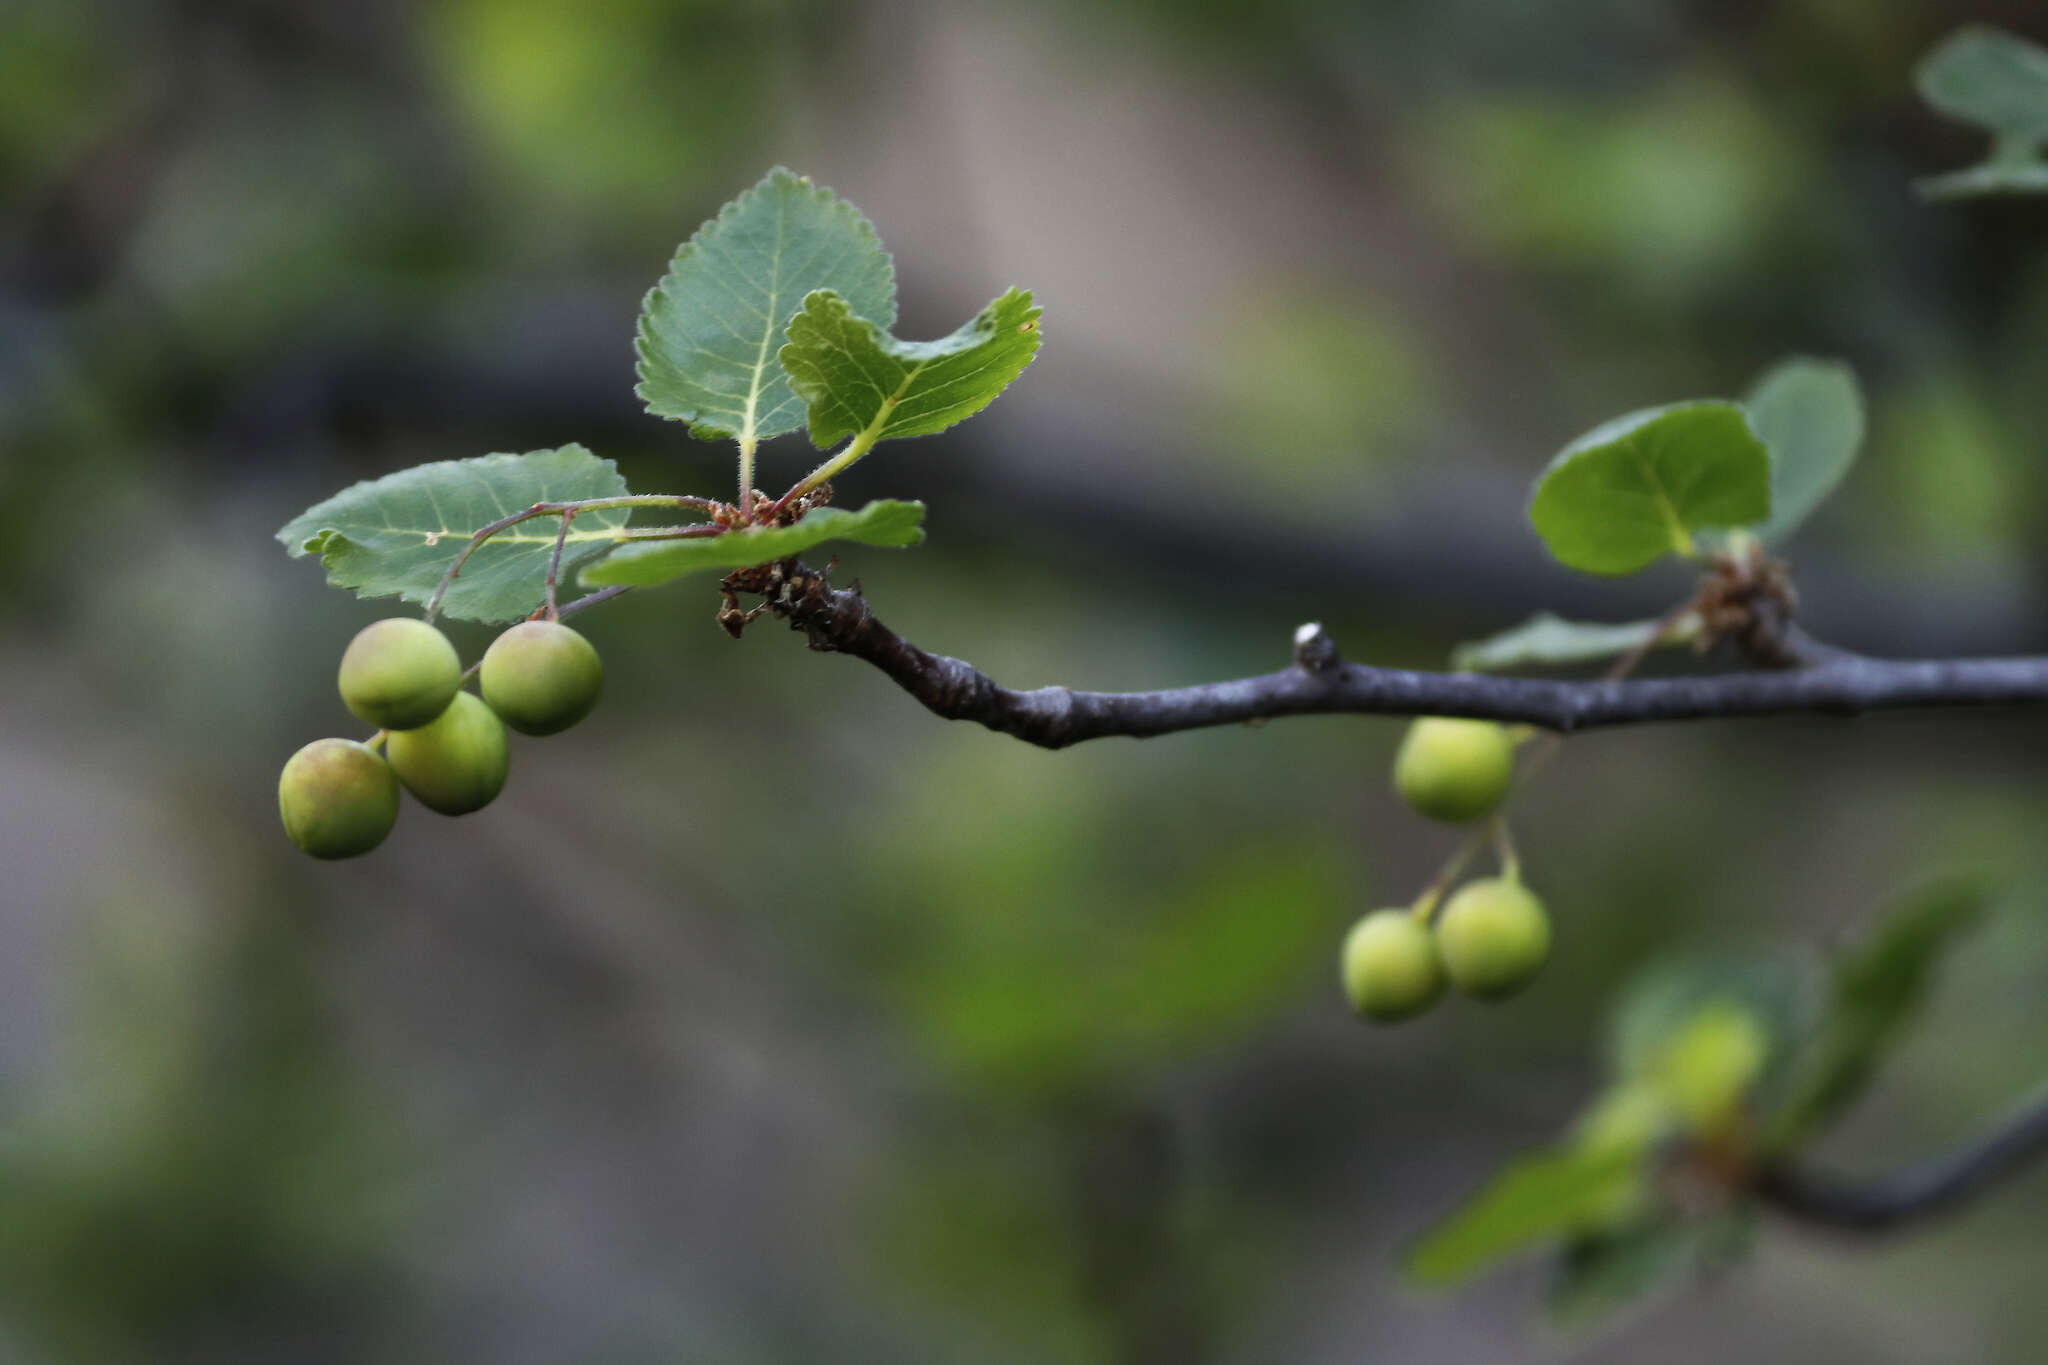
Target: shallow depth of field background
<point>766,1018</point>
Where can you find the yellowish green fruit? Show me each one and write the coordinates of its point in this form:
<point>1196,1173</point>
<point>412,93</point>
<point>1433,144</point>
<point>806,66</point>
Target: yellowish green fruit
<point>1454,770</point>
<point>1391,970</point>
<point>338,798</point>
<point>1705,1072</point>
<point>399,673</point>
<point>456,763</point>
<point>1493,936</point>
<point>541,677</point>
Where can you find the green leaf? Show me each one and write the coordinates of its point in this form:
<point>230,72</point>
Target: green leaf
<point>1991,78</point>
<point>1539,1197</point>
<point>396,536</point>
<point>858,379</point>
<point>1999,82</point>
<point>657,561</point>
<point>1549,640</point>
<point>1596,1276</point>
<point>1809,415</point>
<point>709,331</point>
<point>1636,488</point>
<point>1874,990</point>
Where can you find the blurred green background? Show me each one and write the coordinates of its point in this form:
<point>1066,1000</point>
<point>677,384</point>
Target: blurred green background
<point>766,1018</point>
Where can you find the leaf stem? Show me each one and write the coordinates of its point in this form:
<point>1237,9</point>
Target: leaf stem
<point>853,450</point>
<point>747,448</point>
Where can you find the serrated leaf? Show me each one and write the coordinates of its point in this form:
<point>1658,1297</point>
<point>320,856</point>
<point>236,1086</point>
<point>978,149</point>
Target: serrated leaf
<point>1548,640</point>
<point>1991,78</point>
<point>1636,488</point>
<point>1597,1276</point>
<point>1537,1198</point>
<point>884,522</point>
<point>397,535</point>
<point>1809,415</point>
<point>857,379</point>
<point>710,330</point>
<point>1874,989</point>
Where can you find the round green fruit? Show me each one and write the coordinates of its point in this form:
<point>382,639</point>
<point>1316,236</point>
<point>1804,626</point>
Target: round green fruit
<point>1454,770</point>
<point>456,763</point>
<point>541,677</point>
<point>1391,968</point>
<point>399,673</point>
<point>338,798</point>
<point>1493,936</point>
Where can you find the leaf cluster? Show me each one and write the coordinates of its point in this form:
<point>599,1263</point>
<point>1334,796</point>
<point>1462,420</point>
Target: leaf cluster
<point>774,317</point>
<point>1689,479</point>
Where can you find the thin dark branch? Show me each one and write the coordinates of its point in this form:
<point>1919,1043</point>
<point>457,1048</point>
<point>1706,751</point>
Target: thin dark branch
<point>1938,1185</point>
<point>1320,683</point>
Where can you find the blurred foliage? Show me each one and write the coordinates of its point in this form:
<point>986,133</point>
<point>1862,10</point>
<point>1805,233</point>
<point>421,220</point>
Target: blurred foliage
<point>1665,197</point>
<point>1050,947</point>
<point>1998,81</point>
<point>1334,374</point>
<point>212,1174</point>
<point>605,104</point>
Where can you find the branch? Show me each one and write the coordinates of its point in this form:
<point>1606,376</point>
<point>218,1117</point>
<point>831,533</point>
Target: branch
<point>1940,1184</point>
<point>1320,683</point>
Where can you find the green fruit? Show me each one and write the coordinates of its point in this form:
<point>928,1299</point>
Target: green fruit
<point>1391,968</point>
<point>338,798</point>
<point>1454,770</point>
<point>1493,936</point>
<point>541,677</point>
<point>399,673</point>
<point>456,763</point>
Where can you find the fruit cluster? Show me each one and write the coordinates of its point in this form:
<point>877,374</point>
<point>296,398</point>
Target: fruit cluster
<point>1491,936</point>
<point>339,797</point>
